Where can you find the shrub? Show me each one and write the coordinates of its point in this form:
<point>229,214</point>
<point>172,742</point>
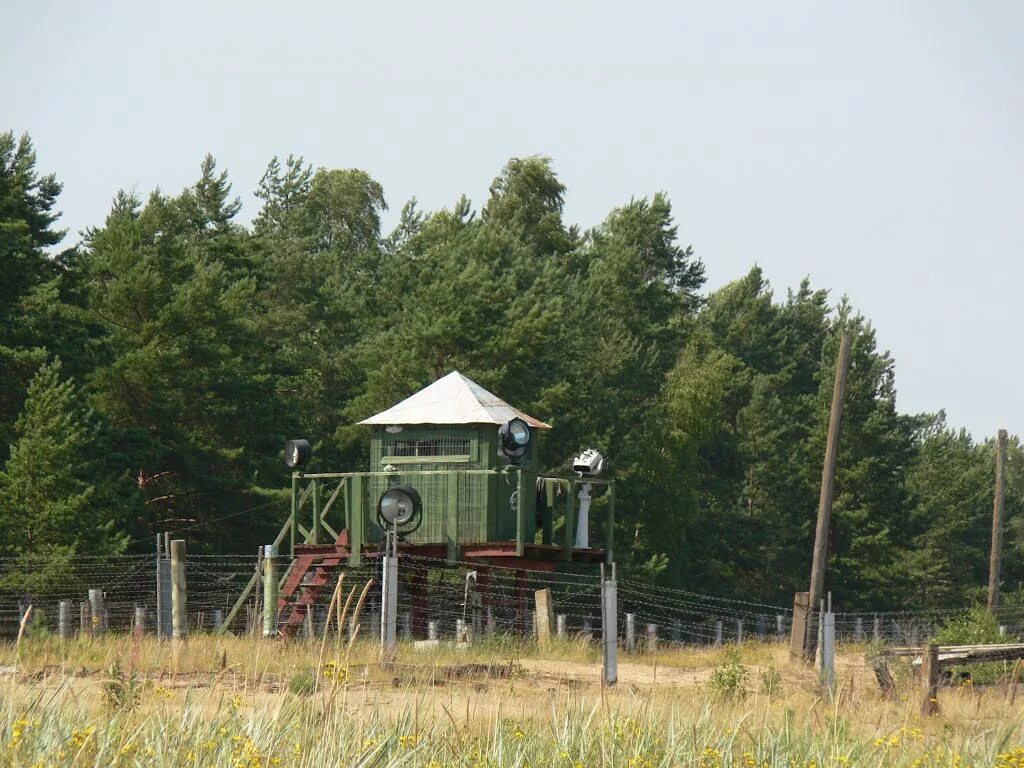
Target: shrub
<point>771,681</point>
<point>729,679</point>
<point>975,627</point>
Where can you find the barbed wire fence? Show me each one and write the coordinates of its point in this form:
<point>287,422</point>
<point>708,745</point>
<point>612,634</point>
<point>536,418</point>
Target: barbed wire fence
<point>438,600</point>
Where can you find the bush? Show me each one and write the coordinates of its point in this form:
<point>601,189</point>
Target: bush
<point>975,627</point>
<point>302,683</point>
<point>729,679</point>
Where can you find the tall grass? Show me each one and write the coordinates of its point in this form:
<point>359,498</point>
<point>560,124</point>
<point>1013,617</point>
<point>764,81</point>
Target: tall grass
<point>229,702</point>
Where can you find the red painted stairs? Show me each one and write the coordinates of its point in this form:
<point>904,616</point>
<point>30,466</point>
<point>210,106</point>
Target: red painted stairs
<point>311,573</point>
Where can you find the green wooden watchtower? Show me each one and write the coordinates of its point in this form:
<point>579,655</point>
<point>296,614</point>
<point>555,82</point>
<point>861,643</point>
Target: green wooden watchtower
<point>443,440</point>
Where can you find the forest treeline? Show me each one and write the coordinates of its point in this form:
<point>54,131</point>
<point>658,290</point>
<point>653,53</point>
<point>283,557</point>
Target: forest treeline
<point>151,372</point>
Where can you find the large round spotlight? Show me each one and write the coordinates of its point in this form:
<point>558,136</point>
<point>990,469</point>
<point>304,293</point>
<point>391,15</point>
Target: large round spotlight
<point>297,452</point>
<point>399,506</point>
<point>514,439</point>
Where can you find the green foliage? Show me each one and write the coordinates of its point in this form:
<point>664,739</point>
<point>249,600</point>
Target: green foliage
<point>978,626</point>
<point>728,680</point>
<point>191,346</point>
<point>771,681</point>
<point>121,689</point>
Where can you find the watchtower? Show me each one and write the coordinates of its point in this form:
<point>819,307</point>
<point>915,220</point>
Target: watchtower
<point>477,504</point>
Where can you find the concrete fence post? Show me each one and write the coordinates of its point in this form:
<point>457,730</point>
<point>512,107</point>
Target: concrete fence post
<point>85,619</point>
<point>64,619</point>
<point>631,632</point>
<point>96,610</point>
<point>762,626</point>
<point>560,625</point>
<point>406,625</point>
<point>431,630</point>
<point>217,619</point>
<point>739,631</point>
<point>270,591</point>
<point>179,591</point>
<point>652,638</point>
<point>588,627</point>
<point>780,627</point>
<point>876,629</point>
<point>718,632</point>
<point>139,625</point>
<point>609,628</point>
<point>858,630</point>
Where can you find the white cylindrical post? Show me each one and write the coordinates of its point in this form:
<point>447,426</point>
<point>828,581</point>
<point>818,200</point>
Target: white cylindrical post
<point>583,518</point>
<point>406,625</point>
<point>431,630</point>
<point>630,632</point>
<point>739,630</point>
<point>652,638</point>
<point>588,627</point>
<point>858,630</point>
<point>217,619</point>
<point>780,626</point>
<point>718,632</point>
<point>270,609</point>
<point>876,629</point>
<point>491,625</point>
<point>560,625</point>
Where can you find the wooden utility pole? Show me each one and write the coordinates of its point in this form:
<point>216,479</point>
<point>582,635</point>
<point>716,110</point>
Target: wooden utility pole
<point>995,558</point>
<point>821,531</point>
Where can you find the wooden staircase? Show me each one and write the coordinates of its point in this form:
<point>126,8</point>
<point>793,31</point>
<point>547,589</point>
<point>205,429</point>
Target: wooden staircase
<point>311,573</point>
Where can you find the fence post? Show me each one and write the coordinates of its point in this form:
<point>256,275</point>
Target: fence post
<point>389,608</point>
<point>217,619</point>
<point>652,638</point>
<point>139,625</point>
<point>560,625</point>
<point>270,590</point>
<point>85,619</point>
<point>64,619</point>
<point>406,625</point>
<point>858,630</point>
<point>431,630</point>
<point>876,629</point>
<point>780,626</point>
<point>588,627</point>
<point>631,632</point>
<point>739,631</point>
<point>490,621</point>
<point>179,591</point>
<point>545,615</point>
<point>609,628</point>
<point>96,610</point>
<point>930,678</point>
<point>762,626</point>
<point>718,632</point>
<point>828,651</point>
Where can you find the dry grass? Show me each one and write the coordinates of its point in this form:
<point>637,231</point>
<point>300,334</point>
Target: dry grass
<point>247,702</point>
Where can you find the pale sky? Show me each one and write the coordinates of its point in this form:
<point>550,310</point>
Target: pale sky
<point>877,147</point>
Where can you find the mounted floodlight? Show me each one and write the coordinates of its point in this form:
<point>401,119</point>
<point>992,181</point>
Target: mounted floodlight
<point>590,463</point>
<point>400,506</point>
<point>297,452</point>
<point>514,439</point>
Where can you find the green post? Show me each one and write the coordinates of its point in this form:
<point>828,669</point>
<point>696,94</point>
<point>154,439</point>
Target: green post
<point>609,555</point>
<point>314,531</point>
<point>570,522</point>
<point>358,508</point>
<point>452,518</point>
<point>269,591</point>
<point>295,511</point>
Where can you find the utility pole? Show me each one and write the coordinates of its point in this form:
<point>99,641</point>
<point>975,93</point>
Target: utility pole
<point>821,531</point>
<point>995,559</point>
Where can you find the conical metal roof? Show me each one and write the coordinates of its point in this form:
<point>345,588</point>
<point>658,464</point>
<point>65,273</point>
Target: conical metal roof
<point>452,399</point>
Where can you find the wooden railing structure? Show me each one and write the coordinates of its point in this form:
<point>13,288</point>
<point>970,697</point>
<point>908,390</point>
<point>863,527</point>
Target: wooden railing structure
<point>324,504</point>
